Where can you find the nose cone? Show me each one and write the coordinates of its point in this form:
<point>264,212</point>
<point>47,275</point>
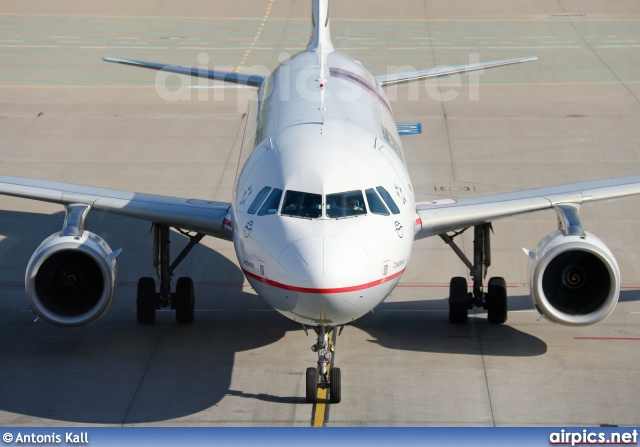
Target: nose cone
<point>324,262</point>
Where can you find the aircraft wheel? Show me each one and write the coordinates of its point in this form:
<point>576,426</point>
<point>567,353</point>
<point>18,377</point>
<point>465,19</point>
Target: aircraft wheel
<point>497,301</point>
<point>146,301</point>
<point>184,300</point>
<point>312,385</point>
<point>458,300</point>
<point>335,393</point>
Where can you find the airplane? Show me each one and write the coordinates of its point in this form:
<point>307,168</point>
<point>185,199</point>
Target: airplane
<point>323,216</point>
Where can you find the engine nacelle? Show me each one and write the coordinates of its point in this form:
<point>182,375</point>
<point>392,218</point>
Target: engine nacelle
<point>575,280</point>
<point>70,280</point>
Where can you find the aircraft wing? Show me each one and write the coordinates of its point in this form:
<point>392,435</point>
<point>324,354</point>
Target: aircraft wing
<point>441,216</point>
<point>443,71</point>
<point>228,76</point>
<point>202,216</point>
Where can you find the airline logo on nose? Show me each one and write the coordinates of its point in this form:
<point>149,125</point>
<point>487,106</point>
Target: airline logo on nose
<point>247,228</point>
<point>399,229</point>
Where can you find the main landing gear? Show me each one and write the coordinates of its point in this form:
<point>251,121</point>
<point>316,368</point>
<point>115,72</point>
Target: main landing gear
<point>149,299</point>
<point>460,300</point>
<point>325,375</point>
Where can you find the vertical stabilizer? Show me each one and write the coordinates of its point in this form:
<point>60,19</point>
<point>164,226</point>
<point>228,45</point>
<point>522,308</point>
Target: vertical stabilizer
<point>321,30</point>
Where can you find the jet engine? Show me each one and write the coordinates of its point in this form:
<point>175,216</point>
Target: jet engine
<point>575,280</point>
<point>70,279</point>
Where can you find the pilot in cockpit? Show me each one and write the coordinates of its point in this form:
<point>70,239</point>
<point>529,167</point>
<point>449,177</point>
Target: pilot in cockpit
<point>295,204</point>
<point>354,204</point>
<point>290,206</point>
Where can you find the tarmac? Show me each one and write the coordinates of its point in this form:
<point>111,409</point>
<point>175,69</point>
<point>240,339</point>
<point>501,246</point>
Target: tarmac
<point>66,115</point>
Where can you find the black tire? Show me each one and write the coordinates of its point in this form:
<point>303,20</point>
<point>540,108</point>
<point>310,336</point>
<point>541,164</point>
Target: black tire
<point>459,300</point>
<point>146,301</point>
<point>497,301</point>
<point>335,393</point>
<point>184,300</point>
<point>312,385</point>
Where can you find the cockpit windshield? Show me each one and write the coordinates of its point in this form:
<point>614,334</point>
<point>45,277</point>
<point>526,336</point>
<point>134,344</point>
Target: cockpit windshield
<point>345,204</point>
<point>302,204</point>
<point>336,206</point>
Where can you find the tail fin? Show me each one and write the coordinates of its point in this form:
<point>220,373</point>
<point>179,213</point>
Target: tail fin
<point>321,30</point>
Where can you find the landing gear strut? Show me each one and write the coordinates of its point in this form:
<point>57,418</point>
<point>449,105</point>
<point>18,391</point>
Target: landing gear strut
<point>148,299</point>
<point>460,300</point>
<point>325,375</point>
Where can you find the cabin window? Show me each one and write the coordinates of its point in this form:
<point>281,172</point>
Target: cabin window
<point>302,204</point>
<point>258,200</point>
<point>346,204</point>
<point>388,200</point>
<point>375,204</point>
<point>272,203</point>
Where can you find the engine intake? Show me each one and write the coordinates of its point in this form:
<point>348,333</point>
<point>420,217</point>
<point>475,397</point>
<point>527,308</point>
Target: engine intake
<point>575,279</point>
<point>70,280</point>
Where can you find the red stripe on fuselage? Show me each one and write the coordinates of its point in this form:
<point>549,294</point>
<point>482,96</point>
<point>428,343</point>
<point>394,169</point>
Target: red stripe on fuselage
<point>331,290</point>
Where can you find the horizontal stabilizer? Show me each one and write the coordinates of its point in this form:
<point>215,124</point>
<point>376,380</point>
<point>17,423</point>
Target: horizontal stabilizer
<point>443,71</point>
<point>227,76</point>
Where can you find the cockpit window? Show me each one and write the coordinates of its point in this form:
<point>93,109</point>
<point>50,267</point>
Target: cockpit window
<point>375,204</point>
<point>272,203</point>
<point>345,204</point>
<point>388,200</point>
<point>259,199</point>
<point>302,204</point>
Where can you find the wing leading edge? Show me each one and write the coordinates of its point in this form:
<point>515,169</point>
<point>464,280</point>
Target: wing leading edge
<point>206,217</point>
<point>441,216</point>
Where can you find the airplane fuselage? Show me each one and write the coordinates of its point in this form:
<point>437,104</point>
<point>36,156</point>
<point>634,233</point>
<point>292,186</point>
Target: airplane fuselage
<point>324,211</point>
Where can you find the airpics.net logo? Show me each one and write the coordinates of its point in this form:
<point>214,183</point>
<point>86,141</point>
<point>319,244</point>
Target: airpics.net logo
<point>591,437</point>
<point>174,87</point>
<point>68,438</point>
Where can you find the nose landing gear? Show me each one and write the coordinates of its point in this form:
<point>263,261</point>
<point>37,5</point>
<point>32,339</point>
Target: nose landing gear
<point>325,375</point>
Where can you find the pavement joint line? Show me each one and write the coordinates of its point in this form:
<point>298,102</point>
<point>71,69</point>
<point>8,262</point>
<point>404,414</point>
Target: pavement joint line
<point>599,56</point>
<point>485,373</point>
<point>147,368</point>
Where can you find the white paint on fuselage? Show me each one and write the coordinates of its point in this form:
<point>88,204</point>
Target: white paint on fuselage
<point>323,271</point>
